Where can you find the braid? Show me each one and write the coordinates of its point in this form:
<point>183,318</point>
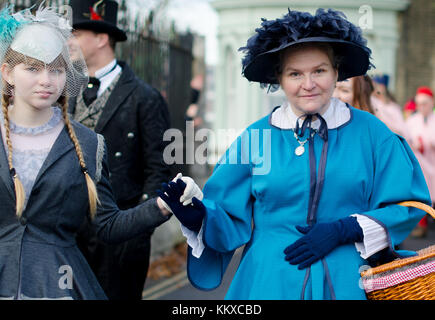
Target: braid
<point>5,104</point>
<point>92,190</point>
<point>19,189</point>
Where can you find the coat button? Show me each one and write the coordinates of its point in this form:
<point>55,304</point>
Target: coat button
<point>23,221</point>
<point>130,135</point>
<point>118,154</point>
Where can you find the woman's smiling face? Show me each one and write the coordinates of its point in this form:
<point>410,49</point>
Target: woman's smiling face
<point>308,79</point>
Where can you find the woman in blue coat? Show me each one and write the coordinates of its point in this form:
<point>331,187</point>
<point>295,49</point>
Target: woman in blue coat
<point>53,171</point>
<point>312,189</point>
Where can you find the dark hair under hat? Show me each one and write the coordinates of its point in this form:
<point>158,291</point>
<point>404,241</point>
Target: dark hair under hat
<point>97,15</point>
<point>262,49</point>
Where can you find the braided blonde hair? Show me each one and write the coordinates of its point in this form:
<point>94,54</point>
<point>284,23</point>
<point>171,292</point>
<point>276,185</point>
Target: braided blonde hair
<point>19,189</point>
<point>92,189</point>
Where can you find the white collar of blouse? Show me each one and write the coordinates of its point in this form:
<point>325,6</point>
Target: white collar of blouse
<point>336,115</point>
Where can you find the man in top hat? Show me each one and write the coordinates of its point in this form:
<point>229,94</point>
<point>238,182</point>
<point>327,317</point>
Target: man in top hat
<point>132,116</point>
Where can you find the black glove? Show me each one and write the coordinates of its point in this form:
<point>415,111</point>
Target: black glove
<point>190,216</point>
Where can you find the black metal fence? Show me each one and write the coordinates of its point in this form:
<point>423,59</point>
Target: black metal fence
<point>166,65</point>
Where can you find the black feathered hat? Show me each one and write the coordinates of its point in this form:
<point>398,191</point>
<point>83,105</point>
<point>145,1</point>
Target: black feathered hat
<point>262,49</point>
<point>98,16</point>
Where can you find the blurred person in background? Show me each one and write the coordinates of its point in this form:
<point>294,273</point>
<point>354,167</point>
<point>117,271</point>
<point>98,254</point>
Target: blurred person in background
<point>356,91</point>
<point>386,108</point>
<point>193,110</point>
<point>421,127</point>
<point>409,108</point>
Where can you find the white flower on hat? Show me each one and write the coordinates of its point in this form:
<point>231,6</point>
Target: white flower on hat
<point>64,24</point>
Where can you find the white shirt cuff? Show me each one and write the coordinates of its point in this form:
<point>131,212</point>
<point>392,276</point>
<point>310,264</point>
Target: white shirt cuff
<point>194,240</point>
<point>375,237</point>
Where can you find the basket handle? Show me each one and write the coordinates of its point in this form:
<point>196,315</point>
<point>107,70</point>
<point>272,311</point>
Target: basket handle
<point>419,205</point>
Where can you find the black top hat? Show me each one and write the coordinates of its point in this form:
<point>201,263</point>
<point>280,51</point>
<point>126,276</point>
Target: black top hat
<point>262,49</point>
<point>98,16</point>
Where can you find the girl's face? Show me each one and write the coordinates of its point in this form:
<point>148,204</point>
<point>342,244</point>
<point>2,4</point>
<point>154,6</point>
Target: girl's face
<point>308,80</point>
<point>35,85</point>
<point>380,90</point>
<point>344,91</point>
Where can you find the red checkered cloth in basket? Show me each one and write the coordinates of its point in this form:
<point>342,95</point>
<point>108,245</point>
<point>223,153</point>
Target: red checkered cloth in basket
<point>382,282</point>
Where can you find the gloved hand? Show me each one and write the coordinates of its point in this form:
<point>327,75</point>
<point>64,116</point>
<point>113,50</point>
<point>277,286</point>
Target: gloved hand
<point>320,239</point>
<point>191,215</point>
<point>191,190</point>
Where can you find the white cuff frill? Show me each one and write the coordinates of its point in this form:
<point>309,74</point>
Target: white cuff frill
<point>194,240</point>
<point>375,237</point>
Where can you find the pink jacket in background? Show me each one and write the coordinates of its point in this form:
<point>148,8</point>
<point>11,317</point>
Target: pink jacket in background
<point>422,141</point>
<point>391,114</point>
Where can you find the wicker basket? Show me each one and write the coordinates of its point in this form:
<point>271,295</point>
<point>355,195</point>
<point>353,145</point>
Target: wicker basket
<point>411,278</point>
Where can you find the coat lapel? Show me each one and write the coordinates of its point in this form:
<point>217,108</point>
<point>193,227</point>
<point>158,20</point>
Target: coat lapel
<point>121,91</point>
<point>61,146</point>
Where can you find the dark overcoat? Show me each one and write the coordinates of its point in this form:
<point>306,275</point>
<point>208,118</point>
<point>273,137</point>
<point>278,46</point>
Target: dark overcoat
<point>39,257</point>
<point>133,122</point>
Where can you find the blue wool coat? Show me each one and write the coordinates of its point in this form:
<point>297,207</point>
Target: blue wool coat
<point>38,253</point>
<point>257,200</point>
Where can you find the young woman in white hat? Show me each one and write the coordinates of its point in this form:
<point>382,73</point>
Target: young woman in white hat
<point>53,171</point>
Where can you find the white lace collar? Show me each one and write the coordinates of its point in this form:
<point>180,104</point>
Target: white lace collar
<point>336,115</point>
